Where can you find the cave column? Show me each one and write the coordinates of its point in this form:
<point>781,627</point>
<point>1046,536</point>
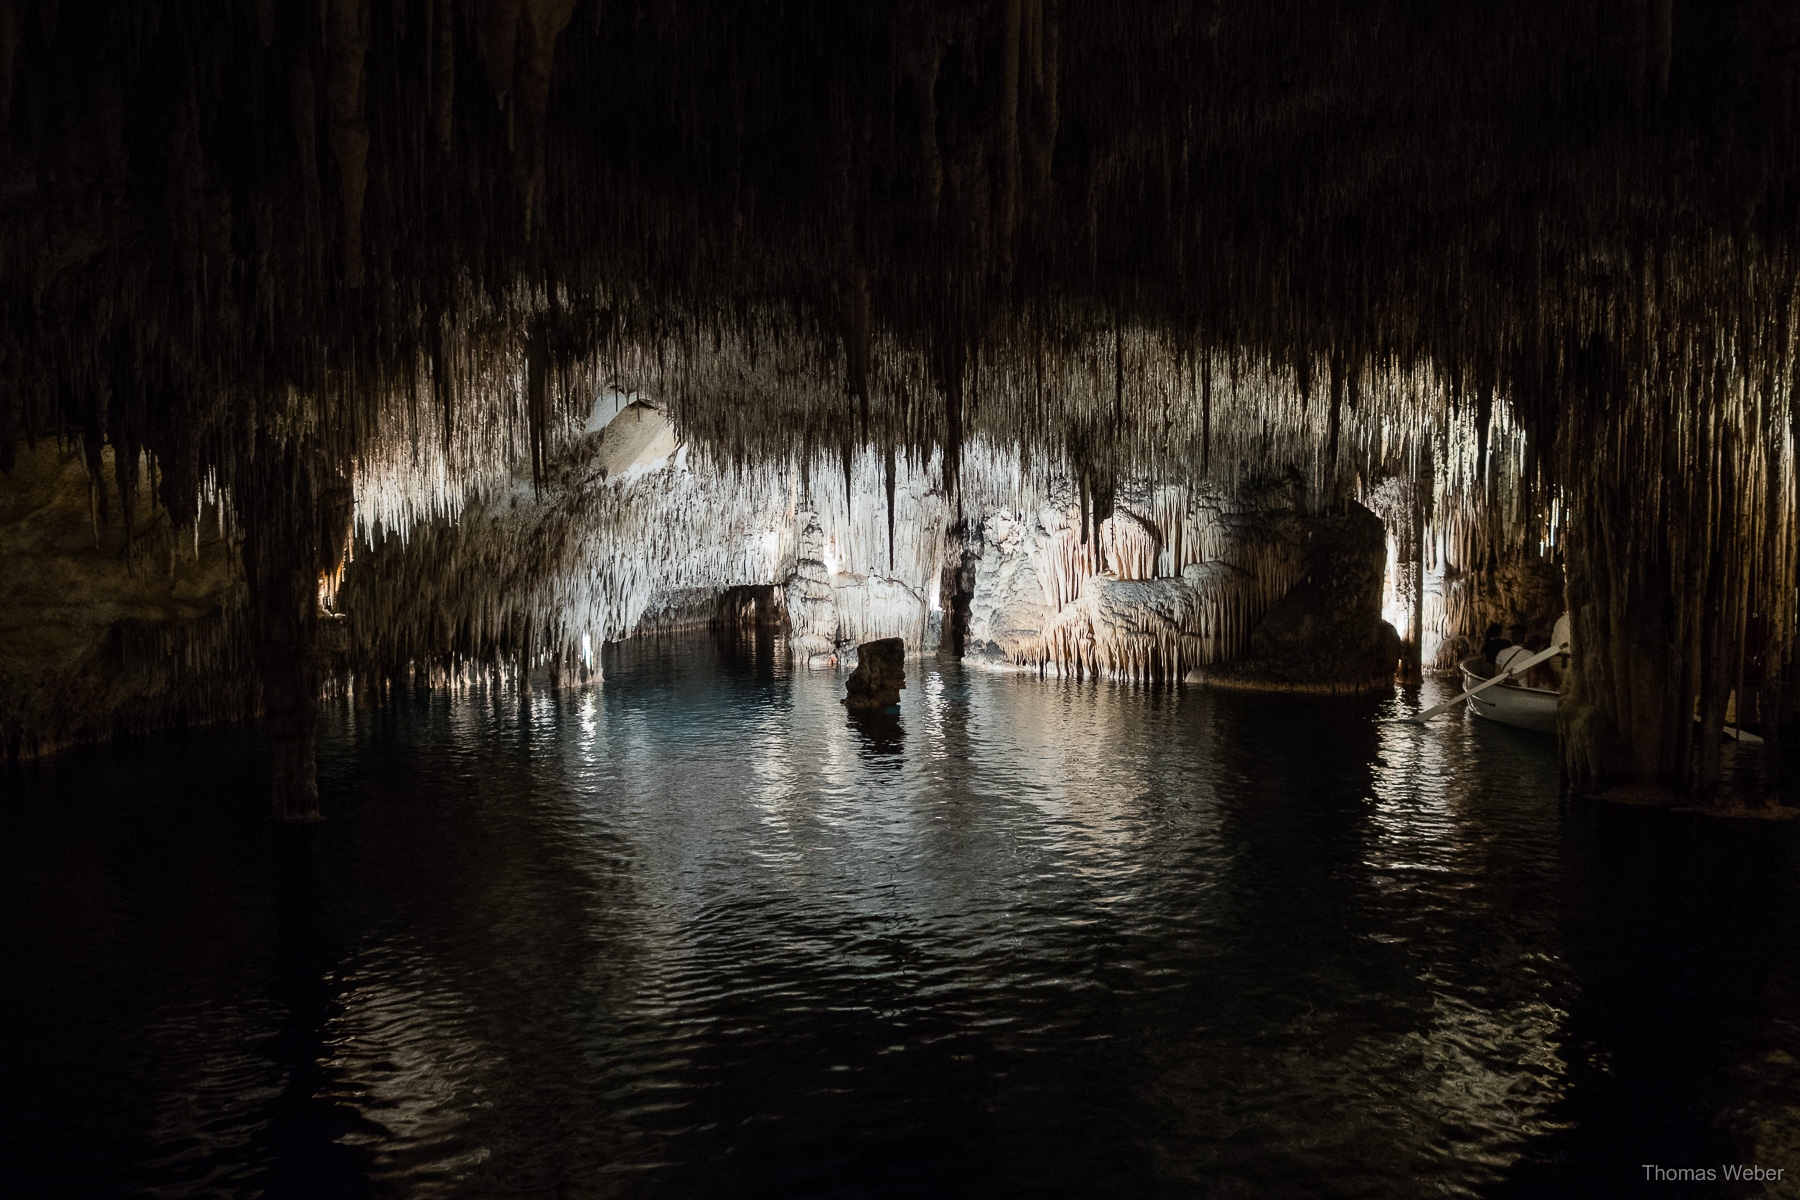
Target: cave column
<point>1409,581</point>
<point>1670,607</point>
<point>1621,720</point>
<point>296,526</point>
<point>286,616</point>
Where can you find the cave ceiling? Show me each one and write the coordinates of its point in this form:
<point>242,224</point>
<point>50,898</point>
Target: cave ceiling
<point>231,229</point>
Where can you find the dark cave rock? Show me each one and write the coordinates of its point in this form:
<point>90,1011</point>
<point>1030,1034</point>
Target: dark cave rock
<point>880,675</point>
<point>1326,634</point>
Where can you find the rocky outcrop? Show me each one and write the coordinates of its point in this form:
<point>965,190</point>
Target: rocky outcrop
<point>1326,634</point>
<point>880,675</point>
<point>1180,582</point>
<point>871,550</point>
<point>1176,578</point>
<point>638,439</point>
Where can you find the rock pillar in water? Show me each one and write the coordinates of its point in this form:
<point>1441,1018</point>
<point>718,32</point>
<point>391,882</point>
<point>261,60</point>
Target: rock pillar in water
<point>296,523</point>
<point>1680,597</point>
<point>879,676</point>
<point>1628,699</point>
<point>287,630</point>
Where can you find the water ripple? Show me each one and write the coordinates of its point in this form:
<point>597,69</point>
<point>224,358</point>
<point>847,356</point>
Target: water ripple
<point>699,932</point>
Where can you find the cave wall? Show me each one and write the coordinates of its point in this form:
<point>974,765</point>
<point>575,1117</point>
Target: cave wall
<point>633,530</point>
<point>1176,577</point>
<point>1463,601</point>
<point>1327,633</point>
<point>1447,581</point>
<point>112,621</point>
<point>636,532</point>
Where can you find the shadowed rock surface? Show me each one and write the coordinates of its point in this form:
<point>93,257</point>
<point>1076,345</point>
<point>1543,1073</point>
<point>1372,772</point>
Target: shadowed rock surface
<point>879,676</point>
<point>1326,634</point>
<point>111,625</point>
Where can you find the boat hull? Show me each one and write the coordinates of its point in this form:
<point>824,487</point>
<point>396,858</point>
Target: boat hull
<point>1510,704</point>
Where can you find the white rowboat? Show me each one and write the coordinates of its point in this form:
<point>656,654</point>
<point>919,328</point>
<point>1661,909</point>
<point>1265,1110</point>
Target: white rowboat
<point>1494,678</point>
<point>1509,703</point>
<point>1496,695</point>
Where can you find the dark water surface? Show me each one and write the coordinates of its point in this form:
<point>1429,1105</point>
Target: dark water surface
<point>699,933</point>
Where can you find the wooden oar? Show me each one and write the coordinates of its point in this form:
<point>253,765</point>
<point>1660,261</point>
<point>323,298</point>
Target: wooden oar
<point>1518,667</point>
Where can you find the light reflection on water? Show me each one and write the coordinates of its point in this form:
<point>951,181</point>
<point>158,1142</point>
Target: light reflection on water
<point>702,932</point>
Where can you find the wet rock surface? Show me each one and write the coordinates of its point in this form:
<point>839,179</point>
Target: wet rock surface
<point>879,677</point>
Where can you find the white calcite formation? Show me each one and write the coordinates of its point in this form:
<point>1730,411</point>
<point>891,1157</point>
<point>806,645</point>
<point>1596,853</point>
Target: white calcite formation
<point>634,529</point>
<point>1176,578</point>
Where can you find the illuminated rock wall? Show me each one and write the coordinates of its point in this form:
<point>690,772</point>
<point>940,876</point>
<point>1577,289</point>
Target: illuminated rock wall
<point>1176,580</point>
<point>634,530</point>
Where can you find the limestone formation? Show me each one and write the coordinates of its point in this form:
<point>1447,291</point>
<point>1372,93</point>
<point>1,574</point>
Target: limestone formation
<point>880,675</point>
<point>954,257</point>
<point>1326,634</point>
<point>1175,579</point>
<point>106,629</point>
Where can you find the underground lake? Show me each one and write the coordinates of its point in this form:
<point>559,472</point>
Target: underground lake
<point>714,599</point>
<point>700,931</point>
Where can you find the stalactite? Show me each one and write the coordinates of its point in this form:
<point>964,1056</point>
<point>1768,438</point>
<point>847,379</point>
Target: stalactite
<point>541,22</point>
<point>537,404</point>
<point>346,47</point>
<point>888,487</point>
<point>9,47</point>
<point>1583,336</point>
<point>443,74</point>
